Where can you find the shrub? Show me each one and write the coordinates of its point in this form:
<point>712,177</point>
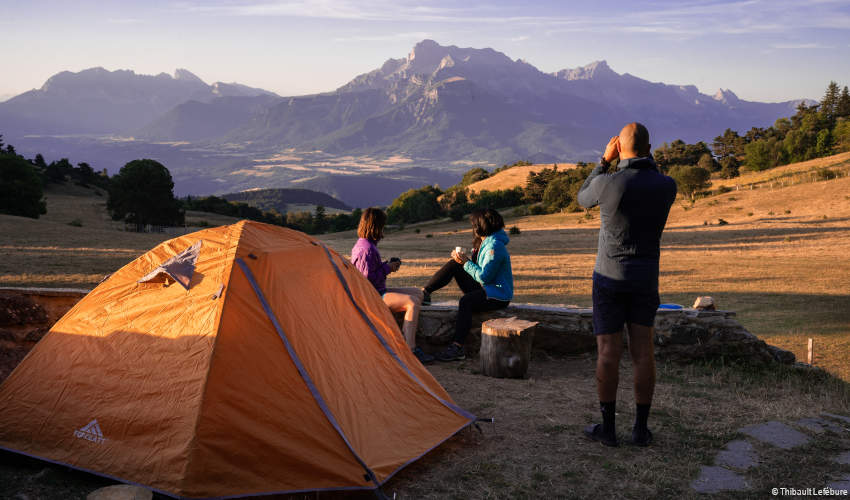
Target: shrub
<point>514,230</point>
<point>722,222</point>
<point>429,235</point>
<point>724,189</point>
<point>20,187</point>
<point>557,195</point>
<point>520,211</point>
<point>536,209</point>
<point>690,180</point>
<point>456,213</point>
<point>825,174</point>
<point>417,230</point>
<point>415,205</point>
<point>474,175</point>
<point>76,223</point>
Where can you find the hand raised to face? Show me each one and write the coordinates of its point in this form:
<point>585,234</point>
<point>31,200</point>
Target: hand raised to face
<point>612,150</point>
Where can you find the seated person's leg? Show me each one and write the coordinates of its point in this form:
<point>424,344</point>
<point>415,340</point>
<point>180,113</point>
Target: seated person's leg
<point>416,293</point>
<point>443,276</point>
<point>472,301</point>
<point>410,305</point>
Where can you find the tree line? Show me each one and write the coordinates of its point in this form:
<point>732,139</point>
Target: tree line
<point>546,191</point>
<point>141,194</point>
<point>814,131</point>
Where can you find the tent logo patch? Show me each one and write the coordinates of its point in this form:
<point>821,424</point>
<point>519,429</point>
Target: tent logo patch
<point>91,432</point>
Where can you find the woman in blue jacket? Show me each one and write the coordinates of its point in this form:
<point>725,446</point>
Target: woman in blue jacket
<point>485,279</point>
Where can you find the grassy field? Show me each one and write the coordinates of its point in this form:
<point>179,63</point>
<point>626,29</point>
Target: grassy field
<point>513,177</point>
<point>776,256</point>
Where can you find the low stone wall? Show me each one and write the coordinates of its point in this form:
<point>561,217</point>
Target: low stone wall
<point>26,314</point>
<point>681,335</point>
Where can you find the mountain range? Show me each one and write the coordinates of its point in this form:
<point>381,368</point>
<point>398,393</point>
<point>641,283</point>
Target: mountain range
<point>440,109</point>
<point>97,101</point>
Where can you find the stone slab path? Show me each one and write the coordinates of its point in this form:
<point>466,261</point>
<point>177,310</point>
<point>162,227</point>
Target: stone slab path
<point>819,425</point>
<point>842,484</point>
<point>713,479</point>
<point>777,434</point>
<point>739,456</point>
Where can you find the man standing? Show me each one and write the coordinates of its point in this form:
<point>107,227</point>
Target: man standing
<point>634,203</point>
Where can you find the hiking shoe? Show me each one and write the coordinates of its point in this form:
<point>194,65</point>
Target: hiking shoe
<point>453,352</point>
<point>426,298</point>
<point>641,437</point>
<point>423,356</point>
<point>596,433</point>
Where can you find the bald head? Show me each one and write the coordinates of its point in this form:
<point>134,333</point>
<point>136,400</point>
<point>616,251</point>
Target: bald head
<point>634,141</point>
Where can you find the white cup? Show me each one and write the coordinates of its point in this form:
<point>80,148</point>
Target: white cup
<point>458,250</point>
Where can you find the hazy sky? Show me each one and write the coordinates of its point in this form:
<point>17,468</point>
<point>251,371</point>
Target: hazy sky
<point>767,50</point>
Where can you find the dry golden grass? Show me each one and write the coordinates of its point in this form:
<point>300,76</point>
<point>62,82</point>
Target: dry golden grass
<point>839,162</point>
<point>787,275</point>
<point>513,177</point>
<point>780,262</point>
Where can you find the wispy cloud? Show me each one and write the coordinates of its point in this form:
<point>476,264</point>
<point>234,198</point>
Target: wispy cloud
<point>801,46</point>
<point>682,19</point>
<point>520,38</point>
<point>415,35</point>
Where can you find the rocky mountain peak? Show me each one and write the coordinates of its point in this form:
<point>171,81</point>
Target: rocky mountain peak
<point>593,71</point>
<point>187,76</point>
<point>726,96</point>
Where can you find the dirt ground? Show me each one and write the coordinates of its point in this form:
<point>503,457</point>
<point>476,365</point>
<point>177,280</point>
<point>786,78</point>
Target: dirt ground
<point>535,448</point>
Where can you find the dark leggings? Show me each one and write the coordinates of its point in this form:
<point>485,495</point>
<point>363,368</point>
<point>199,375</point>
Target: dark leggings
<point>474,297</point>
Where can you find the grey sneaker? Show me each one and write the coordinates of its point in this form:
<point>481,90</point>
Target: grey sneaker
<point>423,356</point>
<point>453,352</point>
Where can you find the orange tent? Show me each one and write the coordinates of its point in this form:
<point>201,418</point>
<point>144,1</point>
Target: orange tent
<point>279,369</point>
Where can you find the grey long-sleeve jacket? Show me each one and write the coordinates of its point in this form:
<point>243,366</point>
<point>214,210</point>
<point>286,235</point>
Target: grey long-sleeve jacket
<point>634,203</point>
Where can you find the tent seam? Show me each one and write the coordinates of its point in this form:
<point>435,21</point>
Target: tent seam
<point>191,448</point>
<point>455,408</point>
<point>302,370</point>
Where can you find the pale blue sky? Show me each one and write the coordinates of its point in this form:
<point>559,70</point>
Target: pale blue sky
<point>767,50</point>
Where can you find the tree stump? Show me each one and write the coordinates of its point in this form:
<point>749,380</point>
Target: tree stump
<point>506,347</point>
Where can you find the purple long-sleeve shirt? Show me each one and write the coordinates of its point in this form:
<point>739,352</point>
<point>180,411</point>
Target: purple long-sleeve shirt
<point>367,259</point>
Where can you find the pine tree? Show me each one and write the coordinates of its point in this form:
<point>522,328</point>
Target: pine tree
<point>829,103</point>
<point>842,108</point>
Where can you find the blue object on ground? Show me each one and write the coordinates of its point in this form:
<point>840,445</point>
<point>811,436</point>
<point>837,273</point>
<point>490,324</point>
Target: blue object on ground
<point>670,306</point>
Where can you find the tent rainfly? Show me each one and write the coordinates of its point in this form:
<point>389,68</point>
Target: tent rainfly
<point>274,367</point>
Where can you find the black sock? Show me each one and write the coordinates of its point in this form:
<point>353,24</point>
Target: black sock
<point>608,412</point>
<point>641,414</point>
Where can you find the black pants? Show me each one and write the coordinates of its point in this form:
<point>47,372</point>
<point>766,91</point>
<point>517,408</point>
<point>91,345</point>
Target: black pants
<point>474,297</point>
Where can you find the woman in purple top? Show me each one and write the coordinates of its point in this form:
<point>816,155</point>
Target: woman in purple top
<point>367,260</point>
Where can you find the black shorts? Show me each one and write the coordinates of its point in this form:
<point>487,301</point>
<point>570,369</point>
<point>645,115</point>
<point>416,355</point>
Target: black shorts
<point>613,308</point>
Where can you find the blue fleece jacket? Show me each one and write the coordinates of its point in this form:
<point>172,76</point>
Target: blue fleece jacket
<point>492,267</point>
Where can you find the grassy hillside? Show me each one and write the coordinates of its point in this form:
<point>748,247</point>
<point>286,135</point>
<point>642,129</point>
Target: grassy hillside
<point>288,200</point>
<point>780,259</point>
<point>513,177</point>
